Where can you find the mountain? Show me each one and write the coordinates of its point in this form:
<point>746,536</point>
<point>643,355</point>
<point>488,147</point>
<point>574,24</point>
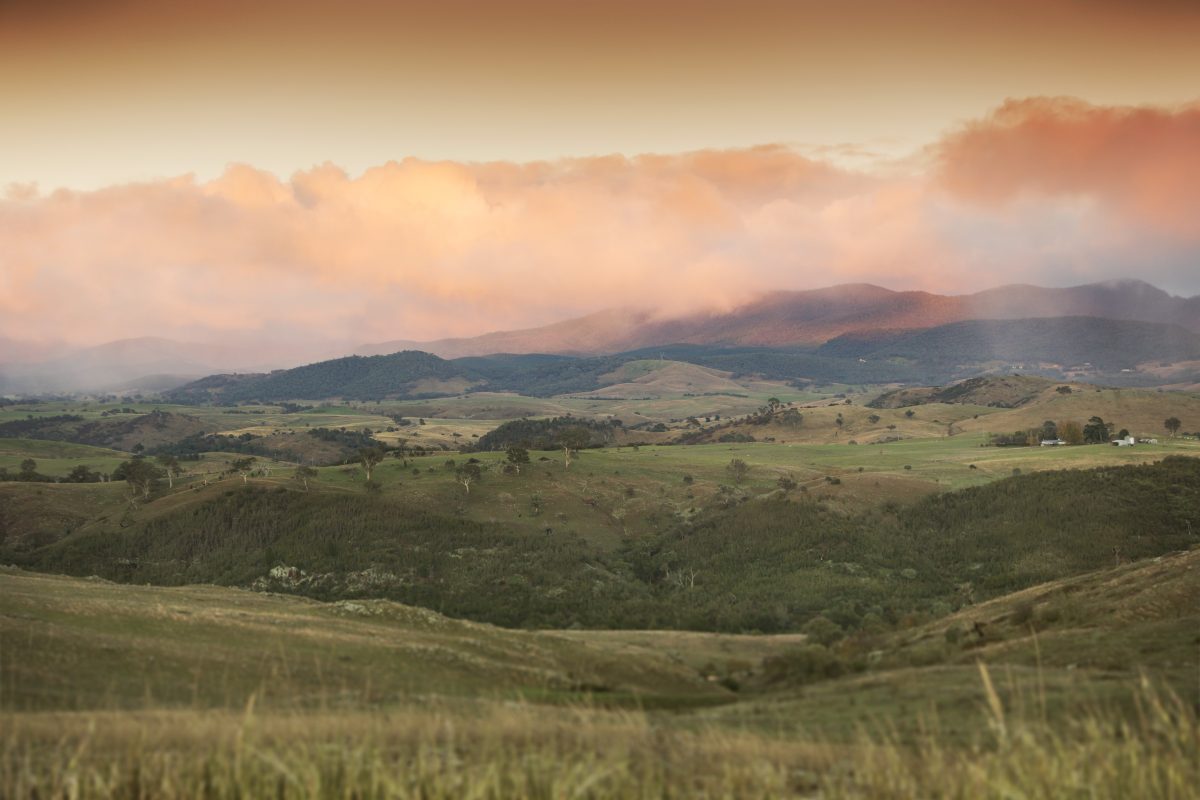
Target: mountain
<point>799,321</point>
<point>147,363</point>
<point>1062,342</point>
<point>810,318</point>
<point>602,332</point>
<point>404,374</point>
<point>1082,347</point>
<point>1123,299</point>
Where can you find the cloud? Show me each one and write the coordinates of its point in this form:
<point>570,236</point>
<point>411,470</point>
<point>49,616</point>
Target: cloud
<point>1139,164</point>
<point>1045,191</point>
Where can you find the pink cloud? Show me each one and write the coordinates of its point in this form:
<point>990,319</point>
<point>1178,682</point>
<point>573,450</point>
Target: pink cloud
<point>1045,191</point>
<point>1137,162</point>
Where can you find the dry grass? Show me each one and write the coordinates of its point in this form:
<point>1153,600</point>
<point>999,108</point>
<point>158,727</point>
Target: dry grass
<point>509,750</point>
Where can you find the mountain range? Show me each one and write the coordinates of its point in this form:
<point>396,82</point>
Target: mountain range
<point>810,318</point>
<point>858,320</point>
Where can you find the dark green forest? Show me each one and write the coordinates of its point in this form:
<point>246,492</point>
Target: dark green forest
<point>762,565</point>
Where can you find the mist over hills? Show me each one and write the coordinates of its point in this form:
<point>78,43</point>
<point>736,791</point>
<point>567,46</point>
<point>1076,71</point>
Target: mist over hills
<point>1079,347</point>
<point>1105,344</point>
<point>819,330</point>
<point>812,317</point>
<point>147,363</point>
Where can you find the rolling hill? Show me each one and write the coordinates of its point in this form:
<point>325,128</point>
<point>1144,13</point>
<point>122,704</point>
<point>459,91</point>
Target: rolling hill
<point>790,561</point>
<point>1065,347</point>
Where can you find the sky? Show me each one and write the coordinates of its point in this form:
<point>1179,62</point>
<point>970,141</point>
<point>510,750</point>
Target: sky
<point>361,171</point>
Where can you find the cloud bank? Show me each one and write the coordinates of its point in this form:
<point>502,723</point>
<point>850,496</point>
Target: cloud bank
<point>1048,191</point>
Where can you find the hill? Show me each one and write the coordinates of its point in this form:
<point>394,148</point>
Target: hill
<point>182,692</point>
<point>279,649</point>
<point>150,430</point>
<point>129,363</point>
<point>403,374</point>
<point>1005,391</point>
<point>767,564</point>
<point>648,379</point>
<point>1084,344</point>
<point>809,318</point>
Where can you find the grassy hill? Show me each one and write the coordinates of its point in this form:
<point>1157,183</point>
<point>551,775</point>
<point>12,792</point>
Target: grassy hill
<point>114,646</point>
<point>993,391</point>
<point>121,433</point>
<point>755,558</point>
<point>646,379</point>
<point>1056,650</point>
<point>183,692</point>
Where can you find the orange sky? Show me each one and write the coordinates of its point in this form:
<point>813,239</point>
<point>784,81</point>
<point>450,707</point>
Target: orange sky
<point>370,170</point>
<point>104,92</point>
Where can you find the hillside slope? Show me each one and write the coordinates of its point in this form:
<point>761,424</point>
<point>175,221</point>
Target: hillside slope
<point>90,643</point>
<point>770,564</point>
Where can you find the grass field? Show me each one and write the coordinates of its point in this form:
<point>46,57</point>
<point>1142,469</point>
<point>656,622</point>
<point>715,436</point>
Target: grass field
<point>612,493</point>
<point>113,691</point>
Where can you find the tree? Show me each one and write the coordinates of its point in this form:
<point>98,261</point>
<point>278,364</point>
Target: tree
<point>1172,424</point>
<point>572,440</point>
<point>467,474</point>
<point>787,483</point>
<point>823,630</point>
<point>1097,431</point>
<point>401,450</point>
<point>81,474</point>
<point>1070,432</point>
<point>304,475</point>
<point>370,457</point>
<point>141,476</point>
<point>170,465</point>
<point>28,467</point>
<point>738,469</point>
<point>242,466</point>
<point>791,417</point>
<point>517,457</point>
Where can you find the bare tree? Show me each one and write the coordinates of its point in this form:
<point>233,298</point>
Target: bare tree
<point>140,475</point>
<point>572,440</point>
<point>170,465</point>
<point>370,457</point>
<point>242,466</point>
<point>467,474</point>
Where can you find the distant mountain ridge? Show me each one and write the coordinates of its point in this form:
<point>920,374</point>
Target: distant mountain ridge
<point>1102,344</point>
<point>813,317</point>
<point>1082,347</point>
<point>817,327</point>
<point>150,363</point>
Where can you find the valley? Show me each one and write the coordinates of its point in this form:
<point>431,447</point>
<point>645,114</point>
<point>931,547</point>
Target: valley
<point>712,571</point>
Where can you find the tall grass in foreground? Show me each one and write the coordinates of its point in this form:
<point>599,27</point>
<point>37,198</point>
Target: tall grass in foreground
<point>520,751</point>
